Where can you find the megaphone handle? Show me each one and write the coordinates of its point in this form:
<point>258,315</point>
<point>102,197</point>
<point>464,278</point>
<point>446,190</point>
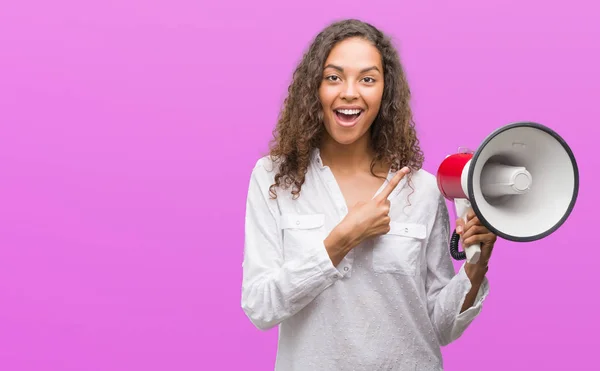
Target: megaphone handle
<point>472,252</point>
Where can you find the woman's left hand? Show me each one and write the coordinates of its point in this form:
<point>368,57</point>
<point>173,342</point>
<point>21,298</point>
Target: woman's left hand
<point>474,232</point>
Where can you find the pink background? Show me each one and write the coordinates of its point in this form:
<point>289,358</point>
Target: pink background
<point>128,130</point>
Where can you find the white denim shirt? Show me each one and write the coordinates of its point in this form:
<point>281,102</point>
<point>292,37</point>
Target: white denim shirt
<point>390,304</point>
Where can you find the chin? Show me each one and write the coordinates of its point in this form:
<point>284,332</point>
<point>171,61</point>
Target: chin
<point>345,141</point>
<point>346,138</point>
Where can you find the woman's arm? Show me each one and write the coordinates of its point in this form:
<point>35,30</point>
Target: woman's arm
<point>274,289</point>
<point>476,274</point>
<point>454,299</point>
<point>472,232</point>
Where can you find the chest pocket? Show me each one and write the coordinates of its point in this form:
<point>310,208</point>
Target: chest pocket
<point>302,233</point>
<point>398,251</point>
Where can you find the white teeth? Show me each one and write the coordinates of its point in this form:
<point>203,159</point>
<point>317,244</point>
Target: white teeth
<point>349,111</point>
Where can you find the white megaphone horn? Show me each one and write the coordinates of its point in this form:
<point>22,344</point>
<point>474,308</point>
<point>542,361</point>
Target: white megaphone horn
<point>522,183</point>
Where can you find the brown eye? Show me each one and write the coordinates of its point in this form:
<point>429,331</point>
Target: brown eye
<point>332,78</point>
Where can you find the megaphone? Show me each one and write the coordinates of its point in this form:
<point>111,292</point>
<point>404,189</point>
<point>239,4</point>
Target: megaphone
<point>522,183</point>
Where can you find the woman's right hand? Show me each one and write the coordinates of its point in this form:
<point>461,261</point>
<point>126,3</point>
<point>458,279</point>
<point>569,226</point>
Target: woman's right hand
<point>365,220</point>
<point>371,219</point>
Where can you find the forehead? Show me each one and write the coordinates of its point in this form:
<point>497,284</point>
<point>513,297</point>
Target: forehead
<point>354,53</point>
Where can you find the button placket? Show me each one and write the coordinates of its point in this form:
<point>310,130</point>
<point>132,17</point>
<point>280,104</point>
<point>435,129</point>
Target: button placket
<point>340,205</point>
<point>336,193</point>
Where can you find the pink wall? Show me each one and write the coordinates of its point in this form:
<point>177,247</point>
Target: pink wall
<point>128,130</point>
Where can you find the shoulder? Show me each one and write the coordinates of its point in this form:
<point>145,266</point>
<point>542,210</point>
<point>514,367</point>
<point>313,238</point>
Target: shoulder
<point>425,184</point>
<point>265,169</point>
<point>262,176</point>
<point>422,192</point>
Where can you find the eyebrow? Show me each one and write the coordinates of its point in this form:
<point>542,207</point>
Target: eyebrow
<point>362,71</point>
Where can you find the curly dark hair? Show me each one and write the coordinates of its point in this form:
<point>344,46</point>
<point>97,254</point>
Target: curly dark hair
<point>300,125</point>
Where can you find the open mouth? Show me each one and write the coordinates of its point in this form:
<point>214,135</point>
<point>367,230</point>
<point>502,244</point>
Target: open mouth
<point>348,116</point>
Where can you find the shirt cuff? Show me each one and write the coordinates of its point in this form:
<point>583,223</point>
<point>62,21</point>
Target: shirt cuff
<point>469,314</point>
<point>323,261</point>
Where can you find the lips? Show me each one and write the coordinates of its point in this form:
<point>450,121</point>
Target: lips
<point>348,117</point>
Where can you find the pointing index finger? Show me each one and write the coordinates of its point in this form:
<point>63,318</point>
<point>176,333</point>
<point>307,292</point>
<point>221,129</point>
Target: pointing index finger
<point>393,183</point>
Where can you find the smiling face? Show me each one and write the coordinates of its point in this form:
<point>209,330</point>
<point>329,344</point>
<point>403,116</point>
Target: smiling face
<point>351,90</point>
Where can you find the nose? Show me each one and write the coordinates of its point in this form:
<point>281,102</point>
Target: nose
<point>349,91</point>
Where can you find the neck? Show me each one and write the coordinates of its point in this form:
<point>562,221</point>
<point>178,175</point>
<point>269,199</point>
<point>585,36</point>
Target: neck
<point>354,157</point>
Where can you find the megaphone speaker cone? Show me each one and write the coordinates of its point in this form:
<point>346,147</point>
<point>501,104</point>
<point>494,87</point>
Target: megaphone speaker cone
<point>522,182</point>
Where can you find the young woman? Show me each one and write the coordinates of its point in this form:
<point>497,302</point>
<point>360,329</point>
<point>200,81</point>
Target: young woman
<point>347,237</point>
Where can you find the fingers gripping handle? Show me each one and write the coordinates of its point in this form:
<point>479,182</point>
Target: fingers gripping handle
<point>462,208</point>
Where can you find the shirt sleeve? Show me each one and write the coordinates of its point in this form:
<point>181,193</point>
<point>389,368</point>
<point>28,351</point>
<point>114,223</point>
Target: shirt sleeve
<point>274,288</point>
<point>446,290</point>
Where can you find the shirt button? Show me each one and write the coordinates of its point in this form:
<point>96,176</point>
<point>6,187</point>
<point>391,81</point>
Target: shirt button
<point>297,222</point>
<point>346,269</point>
<point>335,276</point>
